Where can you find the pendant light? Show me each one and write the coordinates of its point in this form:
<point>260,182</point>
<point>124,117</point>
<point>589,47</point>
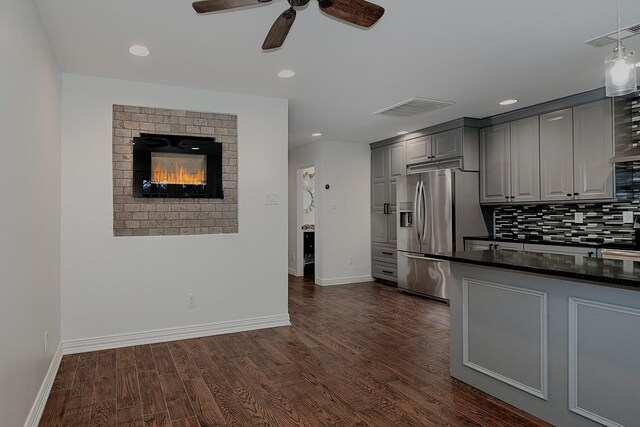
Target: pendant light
<point>620,69</point>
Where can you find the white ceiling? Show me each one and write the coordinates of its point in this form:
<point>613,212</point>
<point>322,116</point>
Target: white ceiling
<point>475,53</point>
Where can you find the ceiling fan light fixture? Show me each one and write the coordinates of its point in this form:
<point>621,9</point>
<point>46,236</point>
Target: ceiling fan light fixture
<point>620,69</point>
<point>286,74</point>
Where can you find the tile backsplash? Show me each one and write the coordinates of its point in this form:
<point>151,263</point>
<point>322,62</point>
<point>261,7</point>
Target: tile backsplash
<point>603,222</point>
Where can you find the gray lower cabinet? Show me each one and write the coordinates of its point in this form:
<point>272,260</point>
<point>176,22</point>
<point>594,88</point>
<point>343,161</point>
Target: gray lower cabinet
<point>487,245</point>
<point>385,262</point>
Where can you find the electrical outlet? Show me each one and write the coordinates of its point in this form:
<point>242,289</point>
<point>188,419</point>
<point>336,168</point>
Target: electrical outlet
<point>627,217</point>
<point>46,340</point>
<point>191,300</point>
<point>579,218</point>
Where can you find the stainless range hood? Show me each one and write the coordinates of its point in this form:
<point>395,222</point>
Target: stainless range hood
<point>631,155</point>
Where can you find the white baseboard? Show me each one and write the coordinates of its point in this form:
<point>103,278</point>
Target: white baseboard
<point>292,272</point>
<point>43,394</point>
<point>83,345</point>
<point>344,280</point>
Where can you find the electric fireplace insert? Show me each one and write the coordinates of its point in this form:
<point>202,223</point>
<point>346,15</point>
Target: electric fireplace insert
<point>175,166</point>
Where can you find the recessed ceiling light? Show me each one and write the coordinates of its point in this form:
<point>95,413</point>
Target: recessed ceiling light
<point>402,132</point>
<point>285,74</point>
<point>195,148</point>
<point>508,102</point>
<point>139,50</point>
<point>316,134</point>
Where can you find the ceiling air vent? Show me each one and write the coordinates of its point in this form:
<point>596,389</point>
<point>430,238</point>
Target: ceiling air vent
<point>413,107</point>
<point>611,38</point>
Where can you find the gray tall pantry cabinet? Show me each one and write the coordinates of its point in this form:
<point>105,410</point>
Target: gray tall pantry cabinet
<point>387,164</point>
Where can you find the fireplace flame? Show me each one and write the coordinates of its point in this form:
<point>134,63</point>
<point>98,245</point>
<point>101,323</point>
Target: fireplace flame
<point>176,173</point>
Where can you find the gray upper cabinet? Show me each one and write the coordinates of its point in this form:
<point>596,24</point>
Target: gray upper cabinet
<point>397,159</point>
<point>495,158</point>
<point>593,147</point>
<point>419,150</point>
<point>379,178</point>
<point>447,145</point>
<point>525,160</point>
<point>556,155</point>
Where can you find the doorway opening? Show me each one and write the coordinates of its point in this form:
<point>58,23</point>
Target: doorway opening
<point>308,209</point>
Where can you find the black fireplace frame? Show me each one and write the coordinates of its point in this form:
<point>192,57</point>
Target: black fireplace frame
<point>148,143</point>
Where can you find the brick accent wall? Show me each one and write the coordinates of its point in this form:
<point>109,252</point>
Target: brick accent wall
<point>161,217</point>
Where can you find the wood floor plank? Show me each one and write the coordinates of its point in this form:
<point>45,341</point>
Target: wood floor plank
<point>103,414</point>
<point>350,359</point>
<point>163,360</point>
<point>160,419</point>
<point>53,412</point>
<point>151,393</point>
<point>125,357</point>
<point>130,416</point>
<point>144,358</point>
<point>204,405</point>
<point>128,390</point>
<point>176,397</point>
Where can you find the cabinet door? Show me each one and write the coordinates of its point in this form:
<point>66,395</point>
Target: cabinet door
<point>379,227</point>
<point>397,159</point>
<point>419,150</point>
<point>392,231</point>
<point>525,160</point>
<point>593,147</point>
<point>447,144</point>
<point>556,155</point>
<point>392,193</point>
<point>494,164</point>
<point>379,181</point>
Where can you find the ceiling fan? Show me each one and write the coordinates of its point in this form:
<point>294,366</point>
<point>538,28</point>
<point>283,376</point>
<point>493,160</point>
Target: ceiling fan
<point>358,12</point>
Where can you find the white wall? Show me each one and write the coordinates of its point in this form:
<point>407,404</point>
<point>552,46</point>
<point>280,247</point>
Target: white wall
<point>130,284</point>
<point>343,218</point>
<point>30,212</point>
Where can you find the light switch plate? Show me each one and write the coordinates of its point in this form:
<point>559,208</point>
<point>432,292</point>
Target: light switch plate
<point>579,219</point>
<point>271,199</point>
<point>627,217</point>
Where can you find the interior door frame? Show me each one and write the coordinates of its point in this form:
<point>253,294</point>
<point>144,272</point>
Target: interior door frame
<point>300,220</point>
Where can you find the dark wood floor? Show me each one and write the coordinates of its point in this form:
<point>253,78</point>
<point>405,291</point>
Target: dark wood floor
<point>356,355</point>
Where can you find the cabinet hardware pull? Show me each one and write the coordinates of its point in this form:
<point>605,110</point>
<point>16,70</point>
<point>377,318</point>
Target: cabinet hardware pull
<point>387,253</point>
<point>590,254</point>
<point>513,197</point>
<point>569,195</point>
<point>490,246</point>
<point>576,194</point>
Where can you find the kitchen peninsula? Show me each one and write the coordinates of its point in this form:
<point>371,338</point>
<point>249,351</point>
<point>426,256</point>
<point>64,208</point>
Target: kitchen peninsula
<point>555,335</point>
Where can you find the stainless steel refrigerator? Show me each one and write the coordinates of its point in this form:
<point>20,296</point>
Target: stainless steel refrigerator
<point>435,210</point>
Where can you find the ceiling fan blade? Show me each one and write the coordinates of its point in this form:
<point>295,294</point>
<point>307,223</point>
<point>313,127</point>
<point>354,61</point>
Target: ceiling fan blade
<point>358,12</point>
<point>279,30</point>
<point>206,6</point>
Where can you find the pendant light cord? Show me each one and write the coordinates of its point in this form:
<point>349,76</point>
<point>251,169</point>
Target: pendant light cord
<point>619,36</point>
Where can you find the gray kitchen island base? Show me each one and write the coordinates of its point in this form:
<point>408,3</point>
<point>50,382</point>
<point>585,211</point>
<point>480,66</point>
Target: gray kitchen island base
<point>564,350</point>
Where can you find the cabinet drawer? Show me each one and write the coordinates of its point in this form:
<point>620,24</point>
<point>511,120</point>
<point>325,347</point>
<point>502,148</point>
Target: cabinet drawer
<point>382,270</point>
<point>385,254</point>
<point>508,246</point>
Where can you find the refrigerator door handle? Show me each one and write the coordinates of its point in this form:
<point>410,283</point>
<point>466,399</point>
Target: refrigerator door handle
<point>423,211</point>
<point>423,258</point>
<point>416,210</point>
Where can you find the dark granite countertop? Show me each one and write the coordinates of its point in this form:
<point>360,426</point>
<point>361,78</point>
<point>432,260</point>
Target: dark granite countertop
<point>596,243</point>
<point>603,272</point>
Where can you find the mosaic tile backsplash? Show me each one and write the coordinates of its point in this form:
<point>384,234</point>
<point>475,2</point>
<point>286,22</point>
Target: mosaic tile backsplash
<point>602,221</point>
